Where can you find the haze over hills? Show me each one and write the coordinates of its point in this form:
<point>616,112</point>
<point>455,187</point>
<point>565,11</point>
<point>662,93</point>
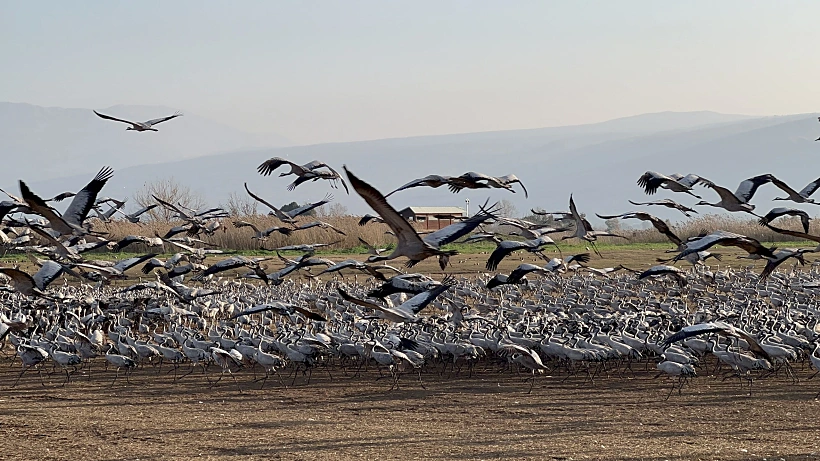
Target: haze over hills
<point>598,163</point>
<point>48,142</point>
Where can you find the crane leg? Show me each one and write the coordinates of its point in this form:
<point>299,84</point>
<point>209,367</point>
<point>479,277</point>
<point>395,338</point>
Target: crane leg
<point>670,391</point>
<point>295,373</point>
<point>263,379</point>
<point>362,360</point>
<point>791,372</point>
<point>21,375</point>
<point>235,381</point>
<point>40,374</point>
<point>421,383</point>
<point>189,371</point>
<point>214,383</point>
<point>279,376</point>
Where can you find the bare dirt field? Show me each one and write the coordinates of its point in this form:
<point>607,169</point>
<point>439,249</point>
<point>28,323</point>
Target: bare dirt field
<point>486,416</point>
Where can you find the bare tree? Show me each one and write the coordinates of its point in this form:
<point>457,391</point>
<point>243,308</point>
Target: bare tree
<point>171,191</point>
<point>240,205</point>
<point>546,220</point>
<point>334,210</point>
<point>293,205</point>
<point>507,209</point>
<point>613,225</point>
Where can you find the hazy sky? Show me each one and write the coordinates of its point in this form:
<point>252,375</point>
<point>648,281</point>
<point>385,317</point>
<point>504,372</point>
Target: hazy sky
<point>352,70</point>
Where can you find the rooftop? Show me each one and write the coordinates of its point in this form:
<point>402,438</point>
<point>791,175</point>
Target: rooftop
<point>443,210</point>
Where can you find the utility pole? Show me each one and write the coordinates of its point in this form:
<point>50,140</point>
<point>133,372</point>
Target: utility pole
<point>467,206</point>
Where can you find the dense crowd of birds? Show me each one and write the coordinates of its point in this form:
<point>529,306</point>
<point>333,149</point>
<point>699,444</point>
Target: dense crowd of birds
<point>564,317</point>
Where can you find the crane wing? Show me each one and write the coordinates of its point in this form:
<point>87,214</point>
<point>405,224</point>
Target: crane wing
<point>660,226</point>
<point>305,208</point>
<point>651,181</point>
<point>501,251</point>
<point>810,188</point>
<point>580,222</point>
<point>20,280</point>
<point>747,188</point>
<point>457,230</point>
<point>126,264</point>
<point>255,310</point>
<point>338,176</point>
<point>616,216</point>
<point>39,206</point>
<point>58,246</point>
<point>357,301</point>
<point>157,121</point>
<point>271,164</point>
<point>108,117</point>
<point>239,224</point>
<point>420,182</point>
<point>511,178</point>
<point>754,346</point>
<point>82,202</point>
<point>693,330</point>
<point>806,236</point>
<point>724,193</point>
<point>406,235</point>
<point>309,314</point>
<point>421,300</point>
<point>276,211</point>
<point>367,245</point>
<point>173,207</point>
<point>689,180</point>
<point>785,187</point>
<point>522,270</point>
<point>47,274</point>
<point>775,213</point>
<point>706,242</point>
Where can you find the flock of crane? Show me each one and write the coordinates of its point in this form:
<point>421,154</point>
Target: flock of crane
<point>572,319</point>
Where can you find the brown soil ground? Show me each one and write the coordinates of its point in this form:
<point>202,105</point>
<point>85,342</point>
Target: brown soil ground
<point>486,416</point>
<point>468,265</point>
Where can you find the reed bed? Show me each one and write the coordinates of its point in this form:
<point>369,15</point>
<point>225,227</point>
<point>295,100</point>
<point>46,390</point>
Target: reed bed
<point>713,222</point>
<point>230,237</point>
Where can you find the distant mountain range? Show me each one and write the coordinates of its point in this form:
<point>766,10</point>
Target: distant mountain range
<point>50,142</point>
<point>599,163</point>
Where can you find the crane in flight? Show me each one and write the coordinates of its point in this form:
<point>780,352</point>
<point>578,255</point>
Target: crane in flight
<point>739,200</point>
<point>140,126</point>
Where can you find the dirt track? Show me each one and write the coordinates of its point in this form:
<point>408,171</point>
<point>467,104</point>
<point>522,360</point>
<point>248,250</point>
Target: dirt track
<point>488,416</point>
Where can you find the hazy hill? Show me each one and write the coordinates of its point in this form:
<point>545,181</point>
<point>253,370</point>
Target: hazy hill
<point>47,142</point>
<point>598,163</point>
